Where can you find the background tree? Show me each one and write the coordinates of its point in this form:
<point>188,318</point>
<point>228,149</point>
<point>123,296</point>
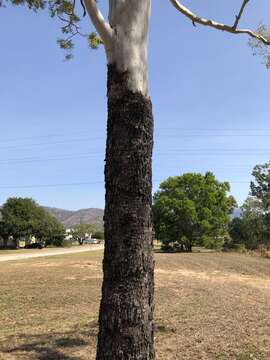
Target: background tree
<point>18,216</point>
<point>80,231</point>
<point>260,187</point>
<point>4,234</point>
<point>252,229</point>
<point>98,235</point>
<point>126,312</point>
<point>23,218</point>
<point>48,229</point>
<point>192,209</point>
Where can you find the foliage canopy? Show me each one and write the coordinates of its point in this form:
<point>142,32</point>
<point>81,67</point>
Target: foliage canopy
<point>252,229</point>
<point>23,218</point>
<point>192,209</point>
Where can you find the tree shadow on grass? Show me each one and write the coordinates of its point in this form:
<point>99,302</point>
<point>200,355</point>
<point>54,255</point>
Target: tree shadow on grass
<point>53,346</point>
<point>194,251</point>
<point>159,251</point>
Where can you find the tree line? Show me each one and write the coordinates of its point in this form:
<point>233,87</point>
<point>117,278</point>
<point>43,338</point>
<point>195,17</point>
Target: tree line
<point>24,219</point>
<point>192,209</point>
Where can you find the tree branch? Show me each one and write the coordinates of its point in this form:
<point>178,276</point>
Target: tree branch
<point>238,17</point>
<point>102,26</point>
<point>216,25</point>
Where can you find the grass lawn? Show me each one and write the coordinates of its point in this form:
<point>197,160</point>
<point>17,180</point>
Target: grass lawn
<point>18,251</point>
<point>209,306</point>
<point>33,251</point>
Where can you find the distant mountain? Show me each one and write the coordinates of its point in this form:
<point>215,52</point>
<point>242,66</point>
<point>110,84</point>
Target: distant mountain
<point>71,218</point>
<point>60,214</point>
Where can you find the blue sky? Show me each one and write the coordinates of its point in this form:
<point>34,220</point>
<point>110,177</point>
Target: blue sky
<point>210,98</point>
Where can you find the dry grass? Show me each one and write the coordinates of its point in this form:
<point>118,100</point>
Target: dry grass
<point>19,251</point>
<point>208,306</point>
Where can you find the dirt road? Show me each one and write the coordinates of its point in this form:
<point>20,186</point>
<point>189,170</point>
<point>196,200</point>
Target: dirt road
<point>49,252</point>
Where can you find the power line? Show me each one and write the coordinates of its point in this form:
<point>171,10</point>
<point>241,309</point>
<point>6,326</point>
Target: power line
<point>190,133</point>
<point>215,135</point>
<point>44,136</point>
<point>179,152</point>
<point>216,149</point>
<point>35,159</point>
<point>70,141</point>
<point>89,183</point>
<point>214,152</point>
<point>50,185</point>
<point>211,129</point>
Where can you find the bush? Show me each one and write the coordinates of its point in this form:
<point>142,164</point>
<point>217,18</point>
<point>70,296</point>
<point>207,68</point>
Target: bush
<point>55,240</point>
<point>67,243</point>
<point>98,235</point>
<point>208,242</point>
<point>241,248</point>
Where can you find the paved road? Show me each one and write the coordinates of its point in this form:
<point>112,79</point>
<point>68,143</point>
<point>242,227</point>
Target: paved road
<point>49,252</point>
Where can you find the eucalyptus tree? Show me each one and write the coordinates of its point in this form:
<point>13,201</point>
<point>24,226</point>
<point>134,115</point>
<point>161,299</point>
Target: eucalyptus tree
<point>126,312</point>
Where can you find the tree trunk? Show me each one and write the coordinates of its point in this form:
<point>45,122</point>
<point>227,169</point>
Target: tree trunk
<point>126,311</point>
<point>5,242</point>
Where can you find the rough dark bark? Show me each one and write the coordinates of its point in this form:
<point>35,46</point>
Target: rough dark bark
<point>126,310</point>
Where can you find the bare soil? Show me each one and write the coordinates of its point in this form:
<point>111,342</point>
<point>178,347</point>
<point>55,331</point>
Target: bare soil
<point>21,254</point>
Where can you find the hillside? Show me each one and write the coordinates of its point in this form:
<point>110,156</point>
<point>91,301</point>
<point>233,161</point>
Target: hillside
<point>60,214</point>
<point>90,216</point>
<point>71,218</point>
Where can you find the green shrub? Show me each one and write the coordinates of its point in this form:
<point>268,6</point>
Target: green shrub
<point>240,248</point>
<point>67,243</point>
<point>213,243</point>
<point>98,235</point>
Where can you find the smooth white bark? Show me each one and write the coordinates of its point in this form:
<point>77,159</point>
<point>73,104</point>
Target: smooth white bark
<point>129,51</point>
<point>125,38</point>
<point>102,27</point>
